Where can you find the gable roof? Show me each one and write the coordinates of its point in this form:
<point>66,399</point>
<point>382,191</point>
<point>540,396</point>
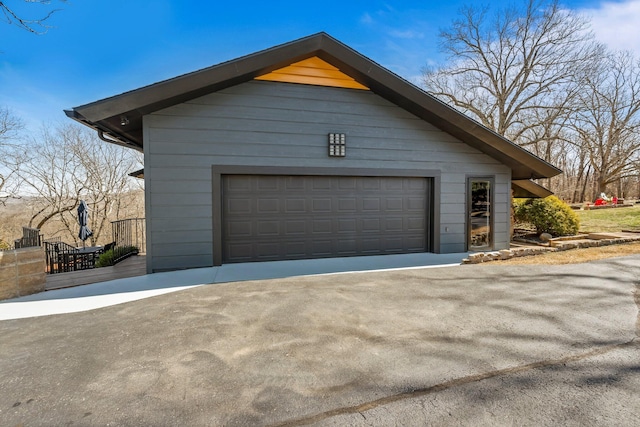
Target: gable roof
<point>118,119</point>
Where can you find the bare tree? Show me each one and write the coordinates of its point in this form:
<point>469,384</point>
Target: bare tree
<point>10,127</point>
<point>51,176</point>
<point>607,124</point>
<point>34,25</point>
<point>515,72</point>
<point>105,168</point>
<point>70,164</point>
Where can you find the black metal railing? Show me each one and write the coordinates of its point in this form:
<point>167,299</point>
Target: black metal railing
<point>31,237</point>
<point>58,256</point>
<point>62,258</point>
<point>129,233</point>
<point>128,237</point>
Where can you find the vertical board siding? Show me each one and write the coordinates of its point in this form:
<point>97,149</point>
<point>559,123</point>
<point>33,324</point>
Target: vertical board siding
<point>263,123</point>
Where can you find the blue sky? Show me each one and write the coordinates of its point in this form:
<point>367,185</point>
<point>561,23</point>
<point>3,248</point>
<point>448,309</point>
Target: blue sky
<point>96,49</point>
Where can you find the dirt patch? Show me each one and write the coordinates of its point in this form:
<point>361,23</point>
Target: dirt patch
<point>575,256</point>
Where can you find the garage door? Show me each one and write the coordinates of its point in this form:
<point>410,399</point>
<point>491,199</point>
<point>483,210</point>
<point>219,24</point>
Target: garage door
<point>269,217</point>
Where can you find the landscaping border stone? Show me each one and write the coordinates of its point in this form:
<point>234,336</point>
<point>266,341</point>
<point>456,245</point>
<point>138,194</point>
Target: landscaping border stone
<point>558,244</point>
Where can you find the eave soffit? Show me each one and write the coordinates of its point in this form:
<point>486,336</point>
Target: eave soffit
<point>110,114</point>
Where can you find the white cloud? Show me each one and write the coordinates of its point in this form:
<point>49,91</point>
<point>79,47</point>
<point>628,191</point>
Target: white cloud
<point>617,24</point>
<point>366,19</point>
<point>406,34</point>
<point>403,41</point>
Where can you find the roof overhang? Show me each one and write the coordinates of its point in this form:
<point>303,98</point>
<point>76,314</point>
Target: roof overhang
<point>527,189</point>
<point>137,174</point>
<point>119,119</point>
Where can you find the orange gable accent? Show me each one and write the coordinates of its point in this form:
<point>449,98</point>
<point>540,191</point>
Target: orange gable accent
<point>313,71</point>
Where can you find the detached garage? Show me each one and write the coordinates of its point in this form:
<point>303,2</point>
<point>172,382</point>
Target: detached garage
<point>311,150</point>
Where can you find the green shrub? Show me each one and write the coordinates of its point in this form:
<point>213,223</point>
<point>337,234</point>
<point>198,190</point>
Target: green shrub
<point>549,215</point>
<point>4,246</point>
<point>113,256</point>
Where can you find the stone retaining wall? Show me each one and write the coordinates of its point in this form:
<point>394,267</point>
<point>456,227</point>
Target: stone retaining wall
<point>560,244</point>
<point>479,257</point>
<point>22,272</point>
<point>591,243</point>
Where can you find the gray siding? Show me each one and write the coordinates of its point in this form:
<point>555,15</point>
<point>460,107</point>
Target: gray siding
<point>280,124</point>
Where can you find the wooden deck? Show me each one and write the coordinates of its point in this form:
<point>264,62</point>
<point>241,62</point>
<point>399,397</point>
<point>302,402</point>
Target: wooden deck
<point>130,267</point>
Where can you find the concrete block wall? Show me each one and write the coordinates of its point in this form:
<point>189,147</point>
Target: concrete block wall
<point>22,272</point>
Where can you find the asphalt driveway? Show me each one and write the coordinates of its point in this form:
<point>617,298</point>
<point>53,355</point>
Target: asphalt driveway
<point>465,345</point>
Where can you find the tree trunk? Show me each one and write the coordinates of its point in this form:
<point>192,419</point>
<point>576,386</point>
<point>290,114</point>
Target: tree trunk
<point>619,194</point>
<point>601,185</point>
<point>584,185</point>
<point>577,196</point>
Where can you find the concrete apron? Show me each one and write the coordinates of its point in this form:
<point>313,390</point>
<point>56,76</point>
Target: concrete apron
<point>104,294</point>
<point>304,350</point>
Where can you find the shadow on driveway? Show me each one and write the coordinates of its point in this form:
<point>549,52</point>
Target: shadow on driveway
<point>481,345</point>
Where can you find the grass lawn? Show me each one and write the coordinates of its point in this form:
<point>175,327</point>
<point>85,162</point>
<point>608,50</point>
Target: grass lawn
<point>575,256</point>
<point>615,219</point>
<point>599,220</point>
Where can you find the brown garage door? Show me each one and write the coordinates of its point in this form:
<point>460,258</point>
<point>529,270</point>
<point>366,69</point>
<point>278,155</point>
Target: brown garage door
<point>269,217</point>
